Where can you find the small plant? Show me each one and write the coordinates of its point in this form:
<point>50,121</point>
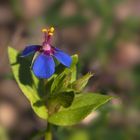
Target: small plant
<point>52,88</point>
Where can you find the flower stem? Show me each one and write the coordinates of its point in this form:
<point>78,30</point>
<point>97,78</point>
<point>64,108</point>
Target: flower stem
<point>48,135</point>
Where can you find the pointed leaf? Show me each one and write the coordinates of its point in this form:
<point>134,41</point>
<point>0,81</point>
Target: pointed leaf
<point>82,105</point>
<point>27,82</point>
<point>80,84</point>
<point>60,83</point>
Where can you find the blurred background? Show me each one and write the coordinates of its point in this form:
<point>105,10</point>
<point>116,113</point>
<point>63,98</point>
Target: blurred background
<point>106,36</point>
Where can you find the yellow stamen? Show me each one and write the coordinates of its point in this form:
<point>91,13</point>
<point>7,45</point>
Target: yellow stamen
<point>44,30</point>
<point>50,31</point>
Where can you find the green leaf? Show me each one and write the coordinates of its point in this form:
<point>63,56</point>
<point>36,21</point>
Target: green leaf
<point>82,105</point>
<point>3,134</point>
<point>28,83</point>
<point>60,82</point>
<point>80,84</point>
<point>74,68</point>
<point>61,99</point>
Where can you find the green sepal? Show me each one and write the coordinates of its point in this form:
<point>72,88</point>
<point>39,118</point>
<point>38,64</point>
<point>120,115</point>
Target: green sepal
<point>80,84</point>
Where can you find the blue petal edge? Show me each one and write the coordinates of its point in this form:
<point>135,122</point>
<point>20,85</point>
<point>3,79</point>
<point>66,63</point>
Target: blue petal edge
<point>62,57</point>
<point>29,50</point>
<point>43,66</point>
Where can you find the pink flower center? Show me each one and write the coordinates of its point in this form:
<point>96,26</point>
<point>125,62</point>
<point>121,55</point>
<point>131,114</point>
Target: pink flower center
<point>47,47</point>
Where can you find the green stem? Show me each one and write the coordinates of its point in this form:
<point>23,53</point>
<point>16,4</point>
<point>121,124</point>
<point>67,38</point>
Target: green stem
<point>48,135</point>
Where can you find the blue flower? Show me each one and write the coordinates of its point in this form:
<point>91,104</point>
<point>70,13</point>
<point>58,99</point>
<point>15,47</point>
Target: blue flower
<point>43,65</point>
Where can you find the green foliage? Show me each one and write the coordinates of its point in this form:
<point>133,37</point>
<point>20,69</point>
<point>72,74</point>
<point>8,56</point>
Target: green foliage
<point>55,99</point>
<point>82,105</point>
<point>80,84</point>
<point>26,82</point>
<point>3,134</point>
<point>61,99</point>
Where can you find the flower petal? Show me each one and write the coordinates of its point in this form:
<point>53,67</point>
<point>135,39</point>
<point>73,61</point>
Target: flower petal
<point>43,66</point>
<point>29,50</point>
<point>62,57</point>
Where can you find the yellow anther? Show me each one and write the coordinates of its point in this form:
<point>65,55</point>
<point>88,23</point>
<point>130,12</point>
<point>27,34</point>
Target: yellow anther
<point>51,29</point>
<point>44,30</point>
